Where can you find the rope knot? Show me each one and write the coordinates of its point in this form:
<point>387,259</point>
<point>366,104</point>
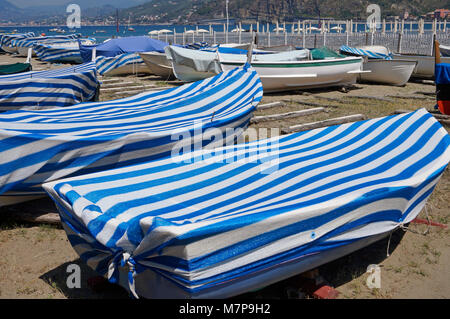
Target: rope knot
<point>123,259</point>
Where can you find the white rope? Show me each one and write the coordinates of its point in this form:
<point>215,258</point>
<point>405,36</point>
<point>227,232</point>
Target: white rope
<point>405,229</point>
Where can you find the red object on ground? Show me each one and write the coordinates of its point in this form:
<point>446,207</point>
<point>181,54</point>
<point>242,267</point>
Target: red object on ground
<point>43,34</point>
<point>444,107</point>
<point>326,292</point>
<point>426,222</point>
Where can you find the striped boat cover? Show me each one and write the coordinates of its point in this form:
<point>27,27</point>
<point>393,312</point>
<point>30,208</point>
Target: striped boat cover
<point>6,39</point>
<point>213,217</point>
<point>197,45</point>
<point>60,51</point>
<point>361,52</point>
<point>44,89</point>
<point>107,64</point>
<point>44,145</point>
<point>29,42</point>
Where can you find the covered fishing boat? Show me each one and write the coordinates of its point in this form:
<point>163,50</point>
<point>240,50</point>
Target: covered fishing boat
<point>24,44</point>
<point>324,68</point>
<point>219,223</point>
<point>380,67</point>
<point>61,51</point>
<point>6,40</point>
<point>123,64</point>
<point>44,145</point>
<point>13,68</point>
<point>45,89</point>
<point>192,65</point>
<point>119,56</point>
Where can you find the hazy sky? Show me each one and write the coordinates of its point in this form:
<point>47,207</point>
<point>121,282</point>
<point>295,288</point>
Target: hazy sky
<point>34,3</point>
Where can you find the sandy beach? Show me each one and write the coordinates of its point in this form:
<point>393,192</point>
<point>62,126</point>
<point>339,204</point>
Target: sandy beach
<point>35,256</point>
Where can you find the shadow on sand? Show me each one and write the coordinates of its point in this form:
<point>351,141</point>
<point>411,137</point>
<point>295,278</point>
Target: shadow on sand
<point>92,287</point>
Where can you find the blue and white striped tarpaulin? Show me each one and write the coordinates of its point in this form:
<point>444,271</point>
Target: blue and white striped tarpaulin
<point>107,64</point>
<point>29,42</point>
<point>197,45</point>
<point>361,52</point>
<point>6,39</point>
<point>67,52</point>
<point>44,145</point>
<point>44,89</point>
<point>209,223</point>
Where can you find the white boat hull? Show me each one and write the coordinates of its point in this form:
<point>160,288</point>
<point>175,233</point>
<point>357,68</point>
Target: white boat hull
<point>287,76</point>
<point>392,72</point>
<point>9,49</point>
<point>8,199</point>
<point>158,64</point>
<point>425,64</point>
<point>23,51</point>
<point>187,74</point>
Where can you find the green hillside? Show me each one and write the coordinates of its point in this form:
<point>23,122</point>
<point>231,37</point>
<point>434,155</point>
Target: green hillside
<point>272,10</point>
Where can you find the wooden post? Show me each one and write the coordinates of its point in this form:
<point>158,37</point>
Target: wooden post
<point>399,44</point>
<point>437,52</point>
<point>304,35</point>
<point>348,32</point>
<point>403,26</point>
<point>278,26</point>
<point>384,26</point>
<point>315,41</point>
<point>433,43</point>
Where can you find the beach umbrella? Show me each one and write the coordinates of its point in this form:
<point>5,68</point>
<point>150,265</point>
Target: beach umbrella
<point>202,31</point>
<point>164,31</point>
<point>154,32</point>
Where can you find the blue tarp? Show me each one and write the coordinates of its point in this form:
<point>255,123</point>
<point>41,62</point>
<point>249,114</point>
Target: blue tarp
<point>442,73</point>
<point>119,46</point>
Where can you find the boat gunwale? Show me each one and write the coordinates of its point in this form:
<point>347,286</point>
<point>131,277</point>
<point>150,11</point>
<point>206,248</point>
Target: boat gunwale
<point>300,64</point>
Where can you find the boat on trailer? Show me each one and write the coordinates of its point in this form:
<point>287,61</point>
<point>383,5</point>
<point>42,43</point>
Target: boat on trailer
<point>39,146</point>
<point>223,222</point>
